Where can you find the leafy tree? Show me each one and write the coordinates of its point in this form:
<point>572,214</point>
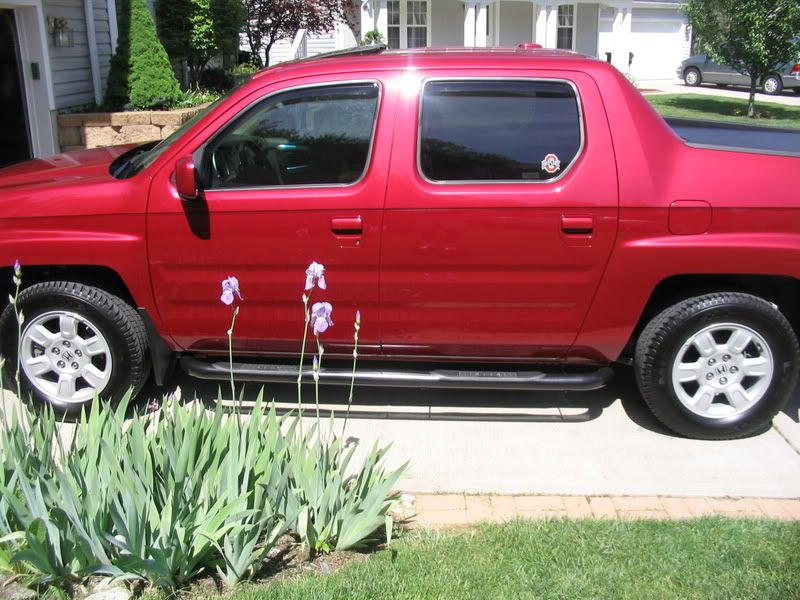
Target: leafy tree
<point>755,37</point>
<point>269,21</point>
<point>141,74</point>
<point>198,30</point>
<point>173,19</point>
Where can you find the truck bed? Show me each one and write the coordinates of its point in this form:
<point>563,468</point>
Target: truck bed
<point>737,136</point>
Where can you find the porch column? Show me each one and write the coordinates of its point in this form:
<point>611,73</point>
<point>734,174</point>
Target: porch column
<point>381,17</point>
<point>480,25</point>
<point>621,31</point>
<point>539,24</point>
<point>469,24</point>
<point>545,24</point>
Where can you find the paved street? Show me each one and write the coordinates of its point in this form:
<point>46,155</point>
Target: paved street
<point>598,443</point>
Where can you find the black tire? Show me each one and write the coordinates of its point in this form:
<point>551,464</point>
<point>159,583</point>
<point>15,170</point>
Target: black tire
<point>692,77</point>
<point>658,347</point>
<point>95,312</point>
<point>774,83</point>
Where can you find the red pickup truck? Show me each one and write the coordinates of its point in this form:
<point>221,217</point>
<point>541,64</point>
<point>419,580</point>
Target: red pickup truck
<point>485,210</point>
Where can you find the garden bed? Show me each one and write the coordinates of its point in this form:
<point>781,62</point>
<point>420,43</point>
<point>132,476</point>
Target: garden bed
<point>96,130</point>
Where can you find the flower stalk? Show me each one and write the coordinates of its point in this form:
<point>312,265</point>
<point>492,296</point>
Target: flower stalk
<point>356,329</point>
<point>17,279</point>
<point>230,351</point>
<point>231,291</point>
<point>307,318</point>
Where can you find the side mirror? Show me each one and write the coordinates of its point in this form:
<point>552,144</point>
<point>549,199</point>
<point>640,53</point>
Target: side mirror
<point>186,178</point>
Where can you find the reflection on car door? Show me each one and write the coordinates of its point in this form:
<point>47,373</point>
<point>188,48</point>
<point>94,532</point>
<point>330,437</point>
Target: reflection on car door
<point>295,177</point>
<point>497,232</point>
<point>716,73</point>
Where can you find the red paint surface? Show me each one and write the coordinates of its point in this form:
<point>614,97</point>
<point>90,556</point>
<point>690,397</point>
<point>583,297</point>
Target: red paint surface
<point>473,270</point>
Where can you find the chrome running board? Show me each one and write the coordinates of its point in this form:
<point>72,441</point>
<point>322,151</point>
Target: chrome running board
<point>438,378</point>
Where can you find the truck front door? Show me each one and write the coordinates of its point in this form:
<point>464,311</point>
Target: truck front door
<point>289,176</point>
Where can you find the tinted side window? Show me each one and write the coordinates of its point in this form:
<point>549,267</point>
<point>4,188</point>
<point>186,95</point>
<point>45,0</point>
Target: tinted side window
<point>308,136</point>
<point>498,130</point>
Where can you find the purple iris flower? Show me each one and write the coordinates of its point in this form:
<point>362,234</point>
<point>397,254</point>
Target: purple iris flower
<point>315,274</point>
<point>230,286</point>
<point>321,316</point>
<point>17,268</point>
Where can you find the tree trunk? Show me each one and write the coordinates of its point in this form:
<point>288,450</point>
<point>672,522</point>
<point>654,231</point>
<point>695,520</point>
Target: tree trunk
<point>751,102</point>
<point>254,41</point>
<point>267,48</point>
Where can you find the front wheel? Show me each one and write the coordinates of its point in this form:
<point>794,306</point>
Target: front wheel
<point>692,77</point>
<point>77,343</point>
<point>718,366</point>
<point>772,85</point>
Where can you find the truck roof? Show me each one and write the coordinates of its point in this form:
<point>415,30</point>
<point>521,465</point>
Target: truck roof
<point>379,58</point>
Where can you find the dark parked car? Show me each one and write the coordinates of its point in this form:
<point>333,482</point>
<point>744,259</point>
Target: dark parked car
<point>701,69</point>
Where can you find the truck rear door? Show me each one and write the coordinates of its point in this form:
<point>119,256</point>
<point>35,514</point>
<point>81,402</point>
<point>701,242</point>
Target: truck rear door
<point>501,213</point>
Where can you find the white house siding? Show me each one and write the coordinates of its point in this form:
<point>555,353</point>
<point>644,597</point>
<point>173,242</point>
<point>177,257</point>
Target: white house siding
<point>71,67</point>
<point>447,23</point>
<point>586,29</point>
<point>280,51</point>
<point>102,30</point>
<point>516,23</point>
<point>319,43</point>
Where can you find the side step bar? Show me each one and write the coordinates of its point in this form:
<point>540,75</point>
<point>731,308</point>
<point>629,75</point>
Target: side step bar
<point>439,378</point>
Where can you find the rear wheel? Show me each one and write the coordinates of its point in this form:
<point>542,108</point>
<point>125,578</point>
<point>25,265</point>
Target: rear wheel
<point>718,366</point>
<point>692,77</point>
<point>77,343</point>
<point>772,85</point>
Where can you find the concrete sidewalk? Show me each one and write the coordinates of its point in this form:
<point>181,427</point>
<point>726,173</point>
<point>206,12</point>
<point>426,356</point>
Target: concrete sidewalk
<point>676,86</point>
<point>603,443</point>
<point>443,510</point>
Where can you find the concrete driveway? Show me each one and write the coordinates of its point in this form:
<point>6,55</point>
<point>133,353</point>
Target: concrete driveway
<point>676,86</point>
<point>597,443</point>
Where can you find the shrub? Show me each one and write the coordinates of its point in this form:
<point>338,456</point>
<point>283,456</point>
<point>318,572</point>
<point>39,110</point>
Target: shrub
<point>372,37</point>
<point>216,79</point>
<point>141,74</point>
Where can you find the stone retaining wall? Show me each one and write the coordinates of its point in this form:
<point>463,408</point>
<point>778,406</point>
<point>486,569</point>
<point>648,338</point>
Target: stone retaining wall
<point>96,130</point>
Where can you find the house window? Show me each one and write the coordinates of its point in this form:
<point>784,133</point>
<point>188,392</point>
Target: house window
<point>566,26</point>
<point>509,131</point>
<point>417,20</point>
<point>393,23</point>
<point>407,23</point>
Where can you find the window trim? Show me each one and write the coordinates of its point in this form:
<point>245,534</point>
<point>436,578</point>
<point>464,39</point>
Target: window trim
<point>254,103</point>
<point>572,27</point>
<point>404,26</point>
<point>560,176</point>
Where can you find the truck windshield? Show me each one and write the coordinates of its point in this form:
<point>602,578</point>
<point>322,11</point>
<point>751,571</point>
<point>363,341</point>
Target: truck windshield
<point>133,161</point>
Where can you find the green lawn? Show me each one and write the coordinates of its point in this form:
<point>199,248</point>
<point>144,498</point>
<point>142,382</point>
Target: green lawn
<point>703,559</point>
<point>695,106</point>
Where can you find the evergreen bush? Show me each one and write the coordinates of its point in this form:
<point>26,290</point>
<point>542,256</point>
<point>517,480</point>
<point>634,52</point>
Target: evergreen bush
<point>141,74</point>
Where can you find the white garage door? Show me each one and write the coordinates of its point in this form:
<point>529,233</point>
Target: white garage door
<point>659,41</point>
<point>658,44</point>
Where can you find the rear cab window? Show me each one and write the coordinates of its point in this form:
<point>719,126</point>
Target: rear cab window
<point>510,130</point>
